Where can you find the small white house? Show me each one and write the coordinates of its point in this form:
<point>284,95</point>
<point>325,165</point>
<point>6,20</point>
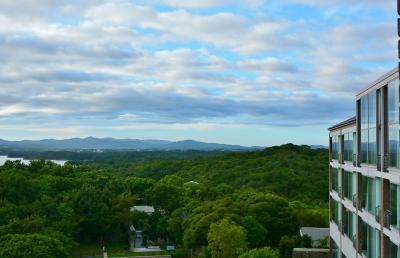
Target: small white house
<point>143,208</point>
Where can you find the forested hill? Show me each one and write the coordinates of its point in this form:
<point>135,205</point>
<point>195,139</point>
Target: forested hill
<point>297,172</point>
<point>253,200</point>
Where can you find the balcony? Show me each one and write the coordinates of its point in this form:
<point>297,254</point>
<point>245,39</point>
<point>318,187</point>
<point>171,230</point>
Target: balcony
<point>387,219</point>
<point>378,213</point>
<point>358,160</point>
<point>385,163</point>
<point>355,200</point>
<point>379,163</point>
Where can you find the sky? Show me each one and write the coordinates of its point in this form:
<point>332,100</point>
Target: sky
<point>249,72</point>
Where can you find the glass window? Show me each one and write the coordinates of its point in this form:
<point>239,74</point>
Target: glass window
<point>372,150</point>
<point>370,241</point>
<point>393,101</point>
<point>335,249</point>
<point>335,211</point>
<point>336,180</point>
<point>395,205</point>
<point>350,224</point>
<point>368,128</point>
<point>394,160</point>
<point>393,113</point>
<point>335,147</point>
<point>348,146</point>
<point>364,112</point>
<point>372,109</point>
<point>349,184</point>
<point>364,146</point>
<point>394,250</point>
<point>370,195</point>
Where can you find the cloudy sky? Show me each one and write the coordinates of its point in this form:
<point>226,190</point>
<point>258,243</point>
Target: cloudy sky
<point>248,72</point>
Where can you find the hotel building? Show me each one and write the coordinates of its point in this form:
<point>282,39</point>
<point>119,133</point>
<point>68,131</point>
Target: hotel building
<point>364,175</point>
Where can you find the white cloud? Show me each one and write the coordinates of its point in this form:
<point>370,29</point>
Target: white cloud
<point>119,61</point>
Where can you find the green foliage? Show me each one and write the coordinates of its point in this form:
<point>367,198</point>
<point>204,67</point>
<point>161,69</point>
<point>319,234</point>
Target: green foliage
<point>286,245</point>
<point>306,241</point>
<point>266,252</point>
<point>226,240</point>
<point>323,243</point>
<point>264,196</point>
<point>31,246</point>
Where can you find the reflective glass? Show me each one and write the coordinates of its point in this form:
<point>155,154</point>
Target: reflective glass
<point>370,241</point>
<point>393,101</point>
<point>394,250</point>
<point>336,180</point>
<point>364,112</point>
<point>364,146</point>
<point>335,147</point>
<point>372,147</point>
<point>348,146</point>
<point>393,110</point>
<point>370,194</point>
<point>372,109</point>
<point>395,205</point>
<point>393,146</point>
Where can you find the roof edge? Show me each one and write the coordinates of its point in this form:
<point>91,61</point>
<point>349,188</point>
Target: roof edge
<point>350,121</point>
<point>377,81</point>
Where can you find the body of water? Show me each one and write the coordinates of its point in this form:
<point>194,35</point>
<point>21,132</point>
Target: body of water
<point>3,160</point>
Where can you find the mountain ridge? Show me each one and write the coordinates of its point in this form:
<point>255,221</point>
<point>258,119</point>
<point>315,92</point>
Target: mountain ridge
<point>93,143</point>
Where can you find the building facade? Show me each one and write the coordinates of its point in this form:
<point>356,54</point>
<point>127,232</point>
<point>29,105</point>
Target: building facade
<point>364,175</point>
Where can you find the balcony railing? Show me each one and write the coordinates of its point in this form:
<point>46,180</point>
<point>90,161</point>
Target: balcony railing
<point>385,163</point>
<point>355,199</point>
<point>358,160</point>
<point>354,240</point>
<point>378,213</point>
<point>379,163</point>
<point>387,219</point>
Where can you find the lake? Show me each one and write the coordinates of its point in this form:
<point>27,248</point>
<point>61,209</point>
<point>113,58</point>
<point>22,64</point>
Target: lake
<point>3,160</point>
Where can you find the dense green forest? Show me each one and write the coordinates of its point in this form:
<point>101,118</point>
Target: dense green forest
<point>207,204</point>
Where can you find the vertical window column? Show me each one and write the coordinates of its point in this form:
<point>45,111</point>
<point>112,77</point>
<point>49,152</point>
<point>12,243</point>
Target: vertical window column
<point>393,121</point>
<point>336,180</point>
<point>370,199</point>
<point>371,241</point>
<point>368,129</point>
<point>394,250</point>
<point>395,205</point>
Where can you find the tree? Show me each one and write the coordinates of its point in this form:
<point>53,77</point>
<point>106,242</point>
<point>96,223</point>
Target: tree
<point>226,240</point>
<point>256,233</point>
<point>286,245</point>
<point>31,246</point>
<point>266,252</point>
<point>167,193</point>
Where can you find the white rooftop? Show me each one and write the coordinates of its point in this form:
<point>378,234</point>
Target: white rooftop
<point>143,208</point>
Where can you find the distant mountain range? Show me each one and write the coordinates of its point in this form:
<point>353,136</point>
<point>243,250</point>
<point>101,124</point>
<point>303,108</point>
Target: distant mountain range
<point>314,147</point>
<point>92,143</point>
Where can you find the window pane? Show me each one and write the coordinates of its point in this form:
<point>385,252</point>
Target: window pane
<point>395,205</point>
<point>364,112</point>
<point>393,146</point>
<point>372,147</point>
<point>364,146</point>
<point>372,109</point>
<point>393,110</point>
<point>393,100</point>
